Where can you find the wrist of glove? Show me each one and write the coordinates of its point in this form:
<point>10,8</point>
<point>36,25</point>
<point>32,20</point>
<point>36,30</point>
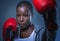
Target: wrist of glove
<point>50,19</point>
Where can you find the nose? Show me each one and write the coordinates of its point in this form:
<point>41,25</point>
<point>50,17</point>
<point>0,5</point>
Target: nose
<point>21,18</point>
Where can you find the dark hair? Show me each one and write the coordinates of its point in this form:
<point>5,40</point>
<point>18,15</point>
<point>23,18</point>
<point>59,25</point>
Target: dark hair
<point>27,4</point>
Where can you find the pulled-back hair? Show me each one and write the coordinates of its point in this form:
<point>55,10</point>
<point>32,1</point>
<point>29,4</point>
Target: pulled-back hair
<point>27,4</point>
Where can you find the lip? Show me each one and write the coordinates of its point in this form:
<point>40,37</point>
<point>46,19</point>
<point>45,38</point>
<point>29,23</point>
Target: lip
<point>21,24</point>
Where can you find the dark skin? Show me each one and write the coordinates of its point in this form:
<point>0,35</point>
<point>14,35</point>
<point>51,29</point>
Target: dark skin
<point>23,19</point>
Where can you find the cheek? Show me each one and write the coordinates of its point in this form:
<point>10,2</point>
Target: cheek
<point>27,19</point>
<point>17,18</point>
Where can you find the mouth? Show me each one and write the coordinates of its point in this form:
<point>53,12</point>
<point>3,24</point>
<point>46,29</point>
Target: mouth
<point>21,25</point>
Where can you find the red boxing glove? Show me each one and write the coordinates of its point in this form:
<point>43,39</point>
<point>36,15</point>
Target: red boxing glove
<point>9,25</point>
<point>48,9</point>
<point>52,26</point>
<point>42,5</point>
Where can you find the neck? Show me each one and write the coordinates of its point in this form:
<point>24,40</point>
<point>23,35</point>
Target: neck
<point>25,28</point>
<point>27,31</point>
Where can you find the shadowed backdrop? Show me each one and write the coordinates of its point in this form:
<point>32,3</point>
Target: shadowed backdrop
<point>8,9</point>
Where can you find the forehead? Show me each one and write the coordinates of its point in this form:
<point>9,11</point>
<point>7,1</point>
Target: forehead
<point>22,9</point>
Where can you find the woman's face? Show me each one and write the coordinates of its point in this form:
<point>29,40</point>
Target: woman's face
<point>22,16</point>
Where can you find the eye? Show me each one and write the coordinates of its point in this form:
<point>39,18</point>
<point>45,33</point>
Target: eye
<point>26,15</point>
<point>18,15</point>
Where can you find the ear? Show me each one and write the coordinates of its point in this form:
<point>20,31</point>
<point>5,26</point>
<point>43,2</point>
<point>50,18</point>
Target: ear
<point>30,18</point>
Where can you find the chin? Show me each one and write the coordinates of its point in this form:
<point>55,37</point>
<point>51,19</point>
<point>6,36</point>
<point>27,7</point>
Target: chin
<point>21,26</point>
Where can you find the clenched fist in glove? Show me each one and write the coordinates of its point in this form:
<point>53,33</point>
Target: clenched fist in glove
<point>9,25</point>
<point>48,9</point>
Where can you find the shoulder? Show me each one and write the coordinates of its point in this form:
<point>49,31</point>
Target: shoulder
<point>38,28</point>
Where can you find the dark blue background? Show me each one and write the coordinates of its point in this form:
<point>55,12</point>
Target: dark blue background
<point>8,9</point>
